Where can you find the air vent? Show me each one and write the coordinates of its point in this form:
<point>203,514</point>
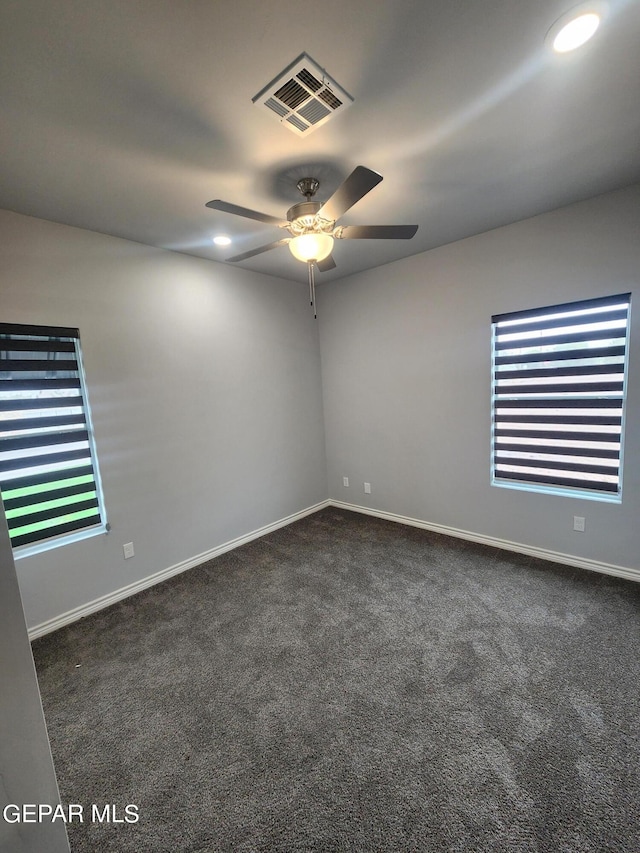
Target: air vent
<point>313,111</point>
<point>292,94</point>
<point>295,121</point>
<point>276,106</point>
<point>303,96</point>
<point>329,98</point>
<point>309,80</point>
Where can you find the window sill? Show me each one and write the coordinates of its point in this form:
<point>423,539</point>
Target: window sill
<point>49,544</point>
<point>580,494</point>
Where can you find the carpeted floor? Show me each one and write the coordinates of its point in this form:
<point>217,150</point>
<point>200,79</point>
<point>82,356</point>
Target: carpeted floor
<point>349,684</point>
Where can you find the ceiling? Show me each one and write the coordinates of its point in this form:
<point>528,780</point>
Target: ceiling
<point>127,116</point>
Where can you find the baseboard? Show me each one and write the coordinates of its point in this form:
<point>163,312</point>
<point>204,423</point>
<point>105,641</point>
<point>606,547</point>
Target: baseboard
<point>126,591</point>
<point>532,551</point>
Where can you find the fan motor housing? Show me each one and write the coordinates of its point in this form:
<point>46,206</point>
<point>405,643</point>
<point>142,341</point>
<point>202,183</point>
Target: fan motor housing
<point>303,208</point>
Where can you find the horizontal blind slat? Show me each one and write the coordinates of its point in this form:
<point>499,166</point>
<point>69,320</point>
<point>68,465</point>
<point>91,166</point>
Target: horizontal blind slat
<point>57,530</point>
<point>20,329</point>
<point>558,435</point>
<point>37,403</point>
<point>562,355</point>
<point>561,388</point>
<point>38,384</point>
<point>44,459</point>
<point>17,424</point>
<point>566,338</point>
<point>586,420</point>
<point>581,305</point>
<point>594,485</point>
<point>48,495</point>
<point>46,440</point>
<point>551,464</point>
<point>560,370</point>
<point>8,484</point>
<point>37,365</point>
<point>31,345</point>
<point>563,403</point>
<point>51,513</point>
<point>544,323</point>
<point>595,453</point>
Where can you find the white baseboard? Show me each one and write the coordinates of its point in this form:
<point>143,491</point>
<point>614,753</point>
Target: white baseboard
<point>532,551</point>
<point>126,591</point>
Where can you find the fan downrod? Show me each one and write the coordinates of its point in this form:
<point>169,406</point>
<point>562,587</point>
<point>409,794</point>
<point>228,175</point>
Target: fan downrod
<point>308,187</point>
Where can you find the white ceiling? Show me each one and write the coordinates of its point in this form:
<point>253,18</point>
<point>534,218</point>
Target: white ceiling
<point>127,116</point>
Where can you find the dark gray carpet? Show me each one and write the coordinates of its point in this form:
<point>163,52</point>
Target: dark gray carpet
<point>349,684</point>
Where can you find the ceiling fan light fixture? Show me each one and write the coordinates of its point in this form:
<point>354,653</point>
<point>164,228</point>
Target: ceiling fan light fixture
<point>311,247</point>
<point>222,240</point>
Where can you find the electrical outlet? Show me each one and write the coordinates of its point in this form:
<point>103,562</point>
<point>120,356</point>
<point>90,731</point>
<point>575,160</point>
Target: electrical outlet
<point>578,523</point>
<point>345,482</point>
<point>128,550</point>
<point>367,488</point>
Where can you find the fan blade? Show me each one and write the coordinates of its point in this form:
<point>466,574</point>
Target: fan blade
<point>227,207</point>
<point>259,250</point>
<point>327,264</point>
<point>377,232</point>
<point>355,187</point>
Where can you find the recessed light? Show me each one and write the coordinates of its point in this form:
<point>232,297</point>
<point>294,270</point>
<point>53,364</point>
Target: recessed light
<point>576,33</point>
<point>575,28</point>
<point>222,240</point>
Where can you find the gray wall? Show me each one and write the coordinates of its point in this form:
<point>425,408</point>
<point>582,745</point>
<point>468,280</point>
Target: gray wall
<point>206,391</point>
<point>406,376</point>
<point>26,766</point>
<point>204,385</point>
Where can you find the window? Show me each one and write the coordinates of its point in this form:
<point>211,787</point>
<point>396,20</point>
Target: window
<point>48,469</point>
<point>558,379</point>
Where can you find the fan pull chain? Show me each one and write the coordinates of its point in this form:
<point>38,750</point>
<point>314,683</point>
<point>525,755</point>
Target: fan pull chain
<point>312,289</point>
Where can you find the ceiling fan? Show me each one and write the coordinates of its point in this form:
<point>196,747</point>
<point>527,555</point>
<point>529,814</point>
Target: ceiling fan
<point>312,224</point>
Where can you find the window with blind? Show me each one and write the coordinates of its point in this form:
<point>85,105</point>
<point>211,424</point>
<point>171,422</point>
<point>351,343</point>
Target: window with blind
<point>559,377</point>
<point>48,468</point>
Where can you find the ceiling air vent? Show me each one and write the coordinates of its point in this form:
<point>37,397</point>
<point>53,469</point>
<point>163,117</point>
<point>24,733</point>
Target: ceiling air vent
<point>303,96</point>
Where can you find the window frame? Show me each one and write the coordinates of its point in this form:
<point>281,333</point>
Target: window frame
<point>568,400</point>
<point>40,384</point>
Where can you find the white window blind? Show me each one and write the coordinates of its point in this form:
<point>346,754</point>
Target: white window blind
<point>48,470</point>
<point>558,396</point>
